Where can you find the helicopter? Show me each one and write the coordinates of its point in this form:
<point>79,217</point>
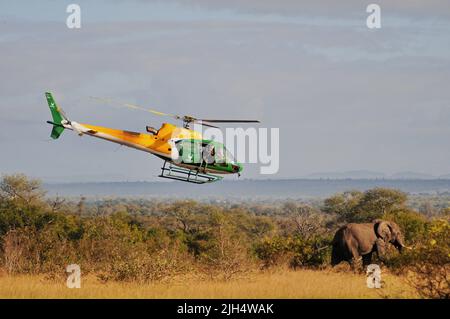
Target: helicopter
<point>187,156</point>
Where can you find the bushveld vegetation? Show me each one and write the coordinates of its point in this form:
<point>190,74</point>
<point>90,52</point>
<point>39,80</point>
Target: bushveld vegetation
<point>140,241</point>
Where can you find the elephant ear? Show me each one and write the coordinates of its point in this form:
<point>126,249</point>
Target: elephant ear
<point>383,230</point>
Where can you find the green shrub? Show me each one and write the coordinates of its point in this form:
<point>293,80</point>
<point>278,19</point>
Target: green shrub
<point>431,269</point>
<point>272,251</point>
<point>296,251</point>
<point>412,224</point>
<point>428,263</point>
<point>311,252</point>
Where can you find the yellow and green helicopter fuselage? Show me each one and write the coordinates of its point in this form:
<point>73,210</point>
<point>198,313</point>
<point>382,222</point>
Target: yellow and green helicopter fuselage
<point>191,158</point>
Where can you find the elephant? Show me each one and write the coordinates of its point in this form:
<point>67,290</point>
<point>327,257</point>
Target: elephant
<point>354,242</point>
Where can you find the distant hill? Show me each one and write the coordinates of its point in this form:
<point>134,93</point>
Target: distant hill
<point>366,174</point>
<point>357,174</point>
<point>245,190</point>
<point>411,175</point>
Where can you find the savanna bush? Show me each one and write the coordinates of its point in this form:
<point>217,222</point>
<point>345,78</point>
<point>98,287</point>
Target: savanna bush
<point>427,265</point>
<point>430,273</point>
<point>272,251</point>
<point>295,251</point>
<point>312,252</point>
<point>29,250</point>
<point>412,224</point>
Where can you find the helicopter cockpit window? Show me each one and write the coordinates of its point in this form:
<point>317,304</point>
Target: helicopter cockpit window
<point>229,156</point>
<point>217,154</point>
<point>220,155</point>
<point>189,151</point>
<point>192,151</point>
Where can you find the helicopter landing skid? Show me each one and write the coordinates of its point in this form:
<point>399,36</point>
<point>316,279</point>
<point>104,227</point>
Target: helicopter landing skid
<point>187,175</point>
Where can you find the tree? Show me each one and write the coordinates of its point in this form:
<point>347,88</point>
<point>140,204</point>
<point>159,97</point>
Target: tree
<point>308,222</point>
<point>379,201</point>
<point>21,190</point>
<point>355,206</point>
<point>22,203</point>
<point>343,204</point>
<point>183,212</point>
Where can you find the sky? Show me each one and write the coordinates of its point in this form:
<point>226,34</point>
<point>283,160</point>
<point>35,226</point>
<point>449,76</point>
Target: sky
<point>344,97</point>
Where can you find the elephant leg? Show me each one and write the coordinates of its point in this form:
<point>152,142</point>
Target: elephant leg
<point>356,259</point>
<point>381,249</point>
<point>356,264</point>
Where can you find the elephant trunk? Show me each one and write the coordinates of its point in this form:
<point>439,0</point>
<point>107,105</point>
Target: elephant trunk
<point>400,245</point>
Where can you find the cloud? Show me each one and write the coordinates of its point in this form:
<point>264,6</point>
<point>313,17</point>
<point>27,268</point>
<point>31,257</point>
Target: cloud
<point>435,8</point>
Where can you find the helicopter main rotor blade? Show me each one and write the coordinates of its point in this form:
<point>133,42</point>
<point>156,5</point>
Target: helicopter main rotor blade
<point>186,118</point>
<point>137,107</point>
<point>133,106</point>
<point>204,124</point>
<point>229,121</point>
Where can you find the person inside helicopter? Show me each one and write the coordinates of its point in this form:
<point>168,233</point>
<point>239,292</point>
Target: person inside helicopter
<point>209,153</point>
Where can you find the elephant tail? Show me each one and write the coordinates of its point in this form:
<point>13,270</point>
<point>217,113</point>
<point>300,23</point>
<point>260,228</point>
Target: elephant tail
<point>335,257</point>
<point>337,248</point>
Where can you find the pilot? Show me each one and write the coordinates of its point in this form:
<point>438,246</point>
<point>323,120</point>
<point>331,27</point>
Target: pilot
<point>209,154</point>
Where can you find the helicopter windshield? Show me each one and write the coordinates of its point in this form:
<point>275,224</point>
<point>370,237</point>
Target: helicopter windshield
<point>189,150</point>
<point>193,151</point>
<point>222,155</point>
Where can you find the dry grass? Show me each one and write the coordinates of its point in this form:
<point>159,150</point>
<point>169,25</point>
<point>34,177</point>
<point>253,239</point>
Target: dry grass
<point>280,284</point>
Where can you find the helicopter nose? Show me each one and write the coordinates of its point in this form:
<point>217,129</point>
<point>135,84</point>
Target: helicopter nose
<point>237,168</point>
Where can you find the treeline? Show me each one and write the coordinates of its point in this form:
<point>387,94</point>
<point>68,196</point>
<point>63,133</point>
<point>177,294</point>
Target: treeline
<point>138,240</point>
